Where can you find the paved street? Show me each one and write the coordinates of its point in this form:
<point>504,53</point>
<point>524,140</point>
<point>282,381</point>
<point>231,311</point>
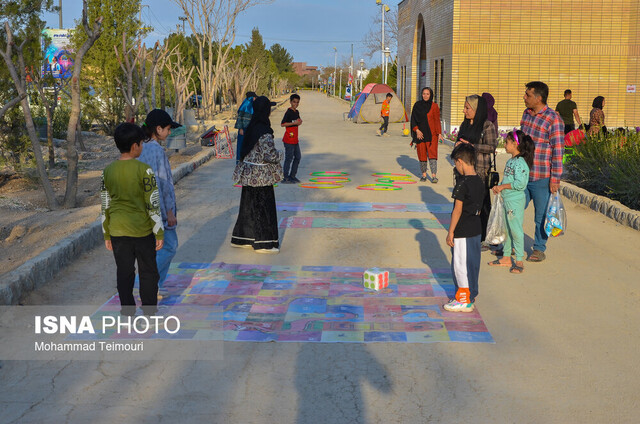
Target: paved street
<point>566,330</point>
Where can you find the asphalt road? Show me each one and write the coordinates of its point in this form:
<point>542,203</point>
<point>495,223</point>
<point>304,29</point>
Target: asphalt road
<point>566,330</point>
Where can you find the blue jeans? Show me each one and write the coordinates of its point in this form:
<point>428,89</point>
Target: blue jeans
<point>166,254</point>
<point>539,192</point>
<point>239,146</point>
<point>291,153</point>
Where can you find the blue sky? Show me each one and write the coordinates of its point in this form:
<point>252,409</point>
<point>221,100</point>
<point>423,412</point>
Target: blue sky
<point>308,29</point>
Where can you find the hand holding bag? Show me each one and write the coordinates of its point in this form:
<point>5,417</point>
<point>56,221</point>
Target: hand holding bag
<point>496,225</point>
<point>556,217</point>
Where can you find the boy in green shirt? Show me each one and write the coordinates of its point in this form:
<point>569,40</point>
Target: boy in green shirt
<point>131,220</point>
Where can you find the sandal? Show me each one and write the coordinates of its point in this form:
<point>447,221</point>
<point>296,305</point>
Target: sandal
<point>434,180</point>
<point>516,269</point>
<point>498,263</point>
<point>536,256</point>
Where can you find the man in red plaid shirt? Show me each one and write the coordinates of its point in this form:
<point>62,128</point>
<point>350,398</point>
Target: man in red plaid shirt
<point>546,128</point>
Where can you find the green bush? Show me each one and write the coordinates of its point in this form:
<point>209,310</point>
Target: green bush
<point>609,165</point>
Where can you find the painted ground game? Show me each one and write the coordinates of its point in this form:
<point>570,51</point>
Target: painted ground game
<point>263,303</point>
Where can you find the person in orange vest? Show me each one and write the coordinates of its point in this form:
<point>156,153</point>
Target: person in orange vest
<point>384,112</point>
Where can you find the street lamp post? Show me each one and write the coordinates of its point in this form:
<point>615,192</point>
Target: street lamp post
<point>383,63</point>
<point>387,54</point>
<point>361,70</point>
<point>335,65</point>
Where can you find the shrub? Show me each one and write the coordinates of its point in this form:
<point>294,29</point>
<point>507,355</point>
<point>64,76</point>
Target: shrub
<point>609,165</point>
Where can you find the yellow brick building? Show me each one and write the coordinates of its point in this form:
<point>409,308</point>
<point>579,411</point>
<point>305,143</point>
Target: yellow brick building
<point>462,47</point>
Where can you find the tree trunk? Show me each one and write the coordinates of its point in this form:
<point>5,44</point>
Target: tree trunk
<point>52,158</point>
<point>163,98</point>
<point>52,203</point>
<point>153,89</point>
<point>72,154</point>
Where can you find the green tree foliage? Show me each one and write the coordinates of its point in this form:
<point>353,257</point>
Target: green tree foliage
<point>24,18</point>
<point>102,70</point>
<point>375,76</point>
<point>256,50</point>
<point>188,47</point>
<point>282,58</point>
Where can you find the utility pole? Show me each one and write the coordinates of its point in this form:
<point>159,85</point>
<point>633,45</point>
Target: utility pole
<point>351,78</point>
<point>183,19</point>
<point>60,12</point>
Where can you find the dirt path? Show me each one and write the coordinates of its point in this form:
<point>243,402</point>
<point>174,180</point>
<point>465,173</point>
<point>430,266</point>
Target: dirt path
<point>565,330</point>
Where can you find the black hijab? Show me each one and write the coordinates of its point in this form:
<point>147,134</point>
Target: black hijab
<point>597,102</point>
<point>258,126</point>
<point>419,117</point>
<point>473,133</point>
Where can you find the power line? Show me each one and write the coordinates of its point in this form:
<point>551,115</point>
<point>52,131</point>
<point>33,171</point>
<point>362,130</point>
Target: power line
<point>303,41</point>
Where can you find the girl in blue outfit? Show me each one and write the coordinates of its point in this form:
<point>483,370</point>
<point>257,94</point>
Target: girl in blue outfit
<point>514,181</point>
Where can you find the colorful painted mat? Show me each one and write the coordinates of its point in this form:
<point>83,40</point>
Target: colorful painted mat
<point>322,304</point>
<point>355,223</point>
<point>365,207</point>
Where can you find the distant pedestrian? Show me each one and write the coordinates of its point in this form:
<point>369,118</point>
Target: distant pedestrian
<point>258,170</point>
<point>465,229</point>
<point>157,127</point>
<point>384,112</point>
<point>568,109</point>
<point>291,121</point>
<point>514,182</point>
<point>426,132</point>
<point>131,220</point>
<point>245,111</point>
<point>596,117</point>
<point>546,128</point>
<point>492,113</point>
<point>476,129</point>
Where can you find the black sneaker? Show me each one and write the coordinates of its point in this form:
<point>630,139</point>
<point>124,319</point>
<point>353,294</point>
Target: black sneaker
<point>294,180</point>
<point>287,181</point>
<point>423,179</point>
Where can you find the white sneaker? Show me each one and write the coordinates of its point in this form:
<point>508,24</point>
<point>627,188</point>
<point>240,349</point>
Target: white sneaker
<point>455,306</point>
<point>272,250</point>
<point>386,135</point>
<point>241,246</point>
<point>379,133</point>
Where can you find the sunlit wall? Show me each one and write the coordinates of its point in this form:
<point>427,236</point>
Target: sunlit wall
<point>591,47</point>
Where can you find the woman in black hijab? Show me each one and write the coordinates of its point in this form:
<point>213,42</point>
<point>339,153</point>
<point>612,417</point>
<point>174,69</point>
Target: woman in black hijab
<point>596,117</point>
<point>478,130</point>
<point>426,132</point>
<point>258,170</point>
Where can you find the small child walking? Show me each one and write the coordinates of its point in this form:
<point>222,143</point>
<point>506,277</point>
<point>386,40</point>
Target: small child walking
<point>131,220</point>
<point>465,230</point>
<point>515,180</point>
<point>291,121</point>
<point>157,127</point>
<point>384,112</point>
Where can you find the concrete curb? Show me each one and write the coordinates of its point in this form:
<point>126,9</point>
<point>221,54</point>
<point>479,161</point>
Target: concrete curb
<point>609,208</point>
<point>37,271</point>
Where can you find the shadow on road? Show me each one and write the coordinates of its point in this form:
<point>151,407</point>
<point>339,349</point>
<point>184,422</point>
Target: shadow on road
<point>329,379</point>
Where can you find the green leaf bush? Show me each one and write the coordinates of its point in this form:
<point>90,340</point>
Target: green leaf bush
<point>608,165</point>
